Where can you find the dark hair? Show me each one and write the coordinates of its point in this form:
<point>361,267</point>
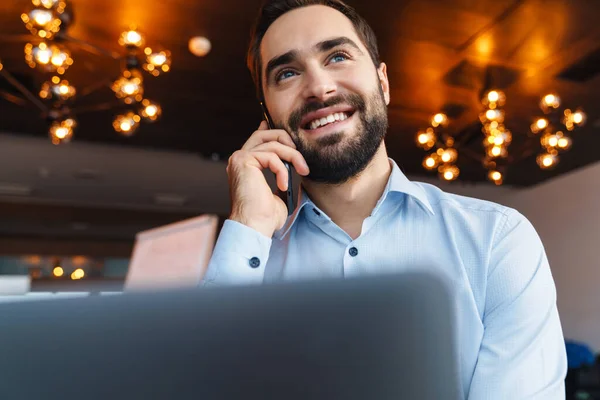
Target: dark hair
<point>273,9</point>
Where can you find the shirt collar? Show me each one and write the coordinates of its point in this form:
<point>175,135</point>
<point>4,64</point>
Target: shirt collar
<point>398,182</point>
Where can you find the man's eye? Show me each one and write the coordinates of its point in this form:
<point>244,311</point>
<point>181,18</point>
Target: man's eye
<point>338,57</point>
<point>284,75</point>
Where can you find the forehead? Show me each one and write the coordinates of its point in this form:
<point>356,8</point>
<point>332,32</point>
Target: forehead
<point>302,28</point>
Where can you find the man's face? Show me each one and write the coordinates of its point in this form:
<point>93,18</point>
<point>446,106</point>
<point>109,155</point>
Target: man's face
<point>321,86</point>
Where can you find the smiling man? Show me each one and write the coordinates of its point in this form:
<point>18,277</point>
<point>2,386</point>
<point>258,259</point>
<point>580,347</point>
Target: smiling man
<point>316,67</point>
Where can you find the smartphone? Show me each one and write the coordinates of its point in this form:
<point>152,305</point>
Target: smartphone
<point>288,195</point>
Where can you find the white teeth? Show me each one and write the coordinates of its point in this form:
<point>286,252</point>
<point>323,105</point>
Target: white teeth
<point>328,120</point>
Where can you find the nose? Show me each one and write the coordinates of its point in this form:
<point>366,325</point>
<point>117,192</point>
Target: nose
<point>320,86</point>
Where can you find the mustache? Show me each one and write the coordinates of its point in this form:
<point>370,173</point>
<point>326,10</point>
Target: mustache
<point>353,100</point>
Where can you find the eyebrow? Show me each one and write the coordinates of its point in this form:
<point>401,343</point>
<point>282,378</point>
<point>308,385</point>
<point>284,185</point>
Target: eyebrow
<point>321,47</point>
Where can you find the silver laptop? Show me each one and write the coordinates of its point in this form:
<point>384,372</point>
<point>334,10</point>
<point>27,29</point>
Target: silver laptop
<point>388,337</point>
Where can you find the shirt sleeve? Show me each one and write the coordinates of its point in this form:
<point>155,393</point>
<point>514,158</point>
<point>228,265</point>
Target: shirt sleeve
<point>522,354</point>
<point>239,257</point>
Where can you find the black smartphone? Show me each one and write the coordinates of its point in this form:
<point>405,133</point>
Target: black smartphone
<point>288,195</point>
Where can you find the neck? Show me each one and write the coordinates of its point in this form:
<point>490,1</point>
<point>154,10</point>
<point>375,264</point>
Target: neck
<point>348,204</point>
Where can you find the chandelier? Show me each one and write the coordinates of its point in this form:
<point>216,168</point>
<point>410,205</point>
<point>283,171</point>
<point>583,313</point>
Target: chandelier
<point>48,51</point>
<point>552,130</point>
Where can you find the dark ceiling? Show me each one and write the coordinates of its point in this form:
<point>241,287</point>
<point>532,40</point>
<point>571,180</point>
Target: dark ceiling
<point>437,53</point>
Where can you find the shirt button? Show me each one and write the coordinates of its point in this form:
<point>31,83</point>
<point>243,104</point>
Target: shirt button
<point>353,251</point>
<point>254,262</point>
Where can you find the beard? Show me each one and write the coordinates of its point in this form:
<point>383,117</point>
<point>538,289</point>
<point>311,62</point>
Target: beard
<point>339,156</point>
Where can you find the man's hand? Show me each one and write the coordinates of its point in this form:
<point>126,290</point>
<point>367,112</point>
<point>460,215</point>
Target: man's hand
<point>253,202</point>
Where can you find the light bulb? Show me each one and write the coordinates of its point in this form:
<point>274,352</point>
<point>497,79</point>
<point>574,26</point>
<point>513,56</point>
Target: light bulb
<point>127,123</point>
<point>495,176</point>
<point>550,101</point>
<point>449,155</point>
<point>547,160</point>
<point>50,58</point>
<point>492,116</point>
<point>449,172</point>
<point>129,87</point>
<point>439,119</point>
<point>62,131</point>
<point>426,139</point>
<point>150,111</point>
<point>199,46</point>
<point>157,62</point>
<point>430,162</point>
<point>57,271</point>
<point>494,99</point>
<point>564,143</point>
<point>579,117</point>
<point>539,125</point>
<point>57,89</point>
<point>131,38</point>
<point>42,22</point>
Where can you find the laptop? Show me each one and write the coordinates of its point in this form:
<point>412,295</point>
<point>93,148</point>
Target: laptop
<point>387,337</point>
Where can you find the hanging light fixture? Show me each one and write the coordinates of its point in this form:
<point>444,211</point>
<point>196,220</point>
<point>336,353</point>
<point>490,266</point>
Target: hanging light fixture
<point>150,111</point>
<point>57,89</point>
<point>126,124</point>
<point>49,21</point>
<point>157,62</point>
<point>132,39</point>
<point>129,87</point>
<point>50,58</point>
<point>62,131</point>
<point>497,138</point>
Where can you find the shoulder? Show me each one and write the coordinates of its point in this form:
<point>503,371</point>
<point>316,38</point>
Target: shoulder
<point>470,211</point>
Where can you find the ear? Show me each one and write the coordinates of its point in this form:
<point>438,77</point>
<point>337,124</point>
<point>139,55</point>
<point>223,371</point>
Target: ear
<point>384,82</point>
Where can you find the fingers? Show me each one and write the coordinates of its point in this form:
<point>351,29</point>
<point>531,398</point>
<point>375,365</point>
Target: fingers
<point>274,163</point>
<point>261,160</point>
<point>264,135</point>
<point>285,153</point>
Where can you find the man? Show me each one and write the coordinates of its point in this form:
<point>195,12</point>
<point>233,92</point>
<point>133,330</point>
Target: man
<point>316,65</point>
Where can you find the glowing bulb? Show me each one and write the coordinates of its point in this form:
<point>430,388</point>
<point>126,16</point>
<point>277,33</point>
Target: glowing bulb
<point>63,89</point>
<point>126,124</point>
<point>150,111</point>
<point>426,140</point>
<point>564,143</point>
<point>550,101</point>
<point>439,119</point>
<point>541,123</point>
<point>495,175</point>
<point>199,46</point>
<point>131,38</point>
<point>58,271</point>
<point>496,151</point>
<point>578,117</point>
<point>129,88</point>
<point>449,172</point>
<point>62,131</point>
<point>158,59</point>
<point>493,96</point>
<point>43,56</point>
<point>449,155</point>
<point>498,140</point>
<point>547,160</point>
<point>41,17</point>
<point>430,162</point>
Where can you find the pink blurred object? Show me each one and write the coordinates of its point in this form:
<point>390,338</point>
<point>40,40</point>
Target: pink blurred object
<point>172,256</point>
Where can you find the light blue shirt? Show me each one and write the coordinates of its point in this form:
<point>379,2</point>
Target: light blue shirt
<point>511,344</point>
